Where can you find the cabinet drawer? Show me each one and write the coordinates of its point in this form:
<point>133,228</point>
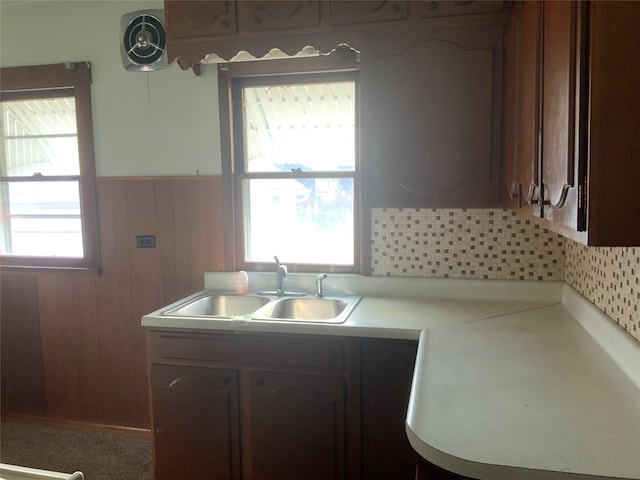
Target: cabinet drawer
<point>323,354</point>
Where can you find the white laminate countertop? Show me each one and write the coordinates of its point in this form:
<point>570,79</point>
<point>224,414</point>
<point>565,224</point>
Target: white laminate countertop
<point>510,382</point>
<point>529,395</point>
<point>390,307</point>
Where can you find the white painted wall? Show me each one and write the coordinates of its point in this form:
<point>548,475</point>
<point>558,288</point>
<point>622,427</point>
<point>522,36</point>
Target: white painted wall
<point>145,124</point>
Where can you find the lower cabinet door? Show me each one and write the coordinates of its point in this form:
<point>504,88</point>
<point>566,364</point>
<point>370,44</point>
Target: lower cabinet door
<point>387,372</point>
<point>298,427</point>
<point>195,423</point>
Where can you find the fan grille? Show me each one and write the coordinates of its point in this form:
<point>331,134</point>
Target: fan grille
<point>145,39</point>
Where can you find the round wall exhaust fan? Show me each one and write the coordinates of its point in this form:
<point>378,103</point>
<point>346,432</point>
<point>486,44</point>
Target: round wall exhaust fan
<point>143,43</point>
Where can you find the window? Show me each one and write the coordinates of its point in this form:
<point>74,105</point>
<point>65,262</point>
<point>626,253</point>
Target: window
<point>47,172</point>
<point>296,171</point>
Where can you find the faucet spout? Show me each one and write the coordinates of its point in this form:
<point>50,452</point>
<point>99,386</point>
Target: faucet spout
<point>281,274</point>
<point>319,291</point>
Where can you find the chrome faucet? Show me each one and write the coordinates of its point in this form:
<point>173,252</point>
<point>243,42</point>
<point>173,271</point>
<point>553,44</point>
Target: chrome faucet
<point>281,274</point>
<point>319,292</point>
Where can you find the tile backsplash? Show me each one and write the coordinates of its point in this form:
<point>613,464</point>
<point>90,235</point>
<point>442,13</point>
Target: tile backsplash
<point>499,244</point>
<point>463,243</point>
<point>608,277</point>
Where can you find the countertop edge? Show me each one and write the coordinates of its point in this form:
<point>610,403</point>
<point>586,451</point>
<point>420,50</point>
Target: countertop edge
<point>474,469</point>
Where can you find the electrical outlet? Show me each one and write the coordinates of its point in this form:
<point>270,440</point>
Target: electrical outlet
<point>145,241</point>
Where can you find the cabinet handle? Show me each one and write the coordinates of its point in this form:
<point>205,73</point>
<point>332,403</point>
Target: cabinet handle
<point>515,190</point>
<point>433,5</point>
<point>530,200</point>
<point>561,200</point>
<point>260,382</point>
<point>257,20</point>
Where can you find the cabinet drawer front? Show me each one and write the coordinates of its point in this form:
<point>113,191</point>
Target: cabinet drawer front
<point>265,351</point>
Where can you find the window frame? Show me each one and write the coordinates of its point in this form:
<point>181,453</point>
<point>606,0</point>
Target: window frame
<point>316,69</point>
<point>36,82</point>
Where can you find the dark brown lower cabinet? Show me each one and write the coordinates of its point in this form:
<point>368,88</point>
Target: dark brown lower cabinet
<point>387,372</point>
<point>229,406</point>
<point>298,426</point>
<point>253,406</point>
<point>429,471</point>
<point>196,422</point>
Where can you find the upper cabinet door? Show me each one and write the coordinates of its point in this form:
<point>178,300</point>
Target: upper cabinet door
<point>278,15</point>
<point>431,119</point>
<point>561,101</point>
<point>434,8</point>
<point>521,123</point>
<point>194,19</point>
<point>348,13</point>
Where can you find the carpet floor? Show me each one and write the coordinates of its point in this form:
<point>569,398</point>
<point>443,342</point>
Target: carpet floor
<point>98,455</point>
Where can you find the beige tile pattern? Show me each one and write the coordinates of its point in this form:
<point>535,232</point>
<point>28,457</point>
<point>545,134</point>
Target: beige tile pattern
<point>610,278</point>
<point>463,243</point>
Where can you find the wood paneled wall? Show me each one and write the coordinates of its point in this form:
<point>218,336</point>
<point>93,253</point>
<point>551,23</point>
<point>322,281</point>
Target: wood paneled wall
<point>72,344</point>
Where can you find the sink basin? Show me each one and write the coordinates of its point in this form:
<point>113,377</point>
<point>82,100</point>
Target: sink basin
<point>313,309</point>
<point>265,308</point>
<point>220,305</point>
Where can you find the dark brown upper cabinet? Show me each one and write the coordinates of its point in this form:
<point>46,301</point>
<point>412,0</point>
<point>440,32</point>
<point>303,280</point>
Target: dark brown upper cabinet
<point>521,184</point>
<point>448,8</point>
<point>349,13</point>
<point>267,16</point>
<point>197,28</point>
<point>430,118</point>
<point>196,19</point>
<point>580,171</point>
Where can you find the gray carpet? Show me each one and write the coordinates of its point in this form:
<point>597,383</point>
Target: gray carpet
<point>99,455</point>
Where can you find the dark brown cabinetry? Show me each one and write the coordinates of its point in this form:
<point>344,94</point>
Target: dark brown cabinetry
<point>387,373</point>
<point>298,424</point>
<point>521,115</point>
<point>196,422</point>
<point>264,407</point>
<point>196,19</point>
<point>354,13</point>
<point>584,157</point>
<point>431,118</point>
<point>429,471</point>
<point>231,406</point>
<point>435,8</point>
<point>196,28</point>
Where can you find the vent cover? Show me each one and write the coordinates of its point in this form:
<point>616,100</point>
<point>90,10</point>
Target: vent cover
<point>143,41</point>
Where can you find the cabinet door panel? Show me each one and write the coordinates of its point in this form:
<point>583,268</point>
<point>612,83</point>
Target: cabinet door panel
<point>346,13</point>
<point>195,423</point>
<point>387,373</point>
<point>430,132</point>
<point>522,175</point>
<point>560,111</point>
<point>528,83</point>
<point>297,426</point>
<point>265,16</point>
<point>431,8</point>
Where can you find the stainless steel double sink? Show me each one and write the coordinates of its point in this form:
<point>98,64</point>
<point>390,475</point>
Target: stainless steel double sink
<point>262,307</point>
